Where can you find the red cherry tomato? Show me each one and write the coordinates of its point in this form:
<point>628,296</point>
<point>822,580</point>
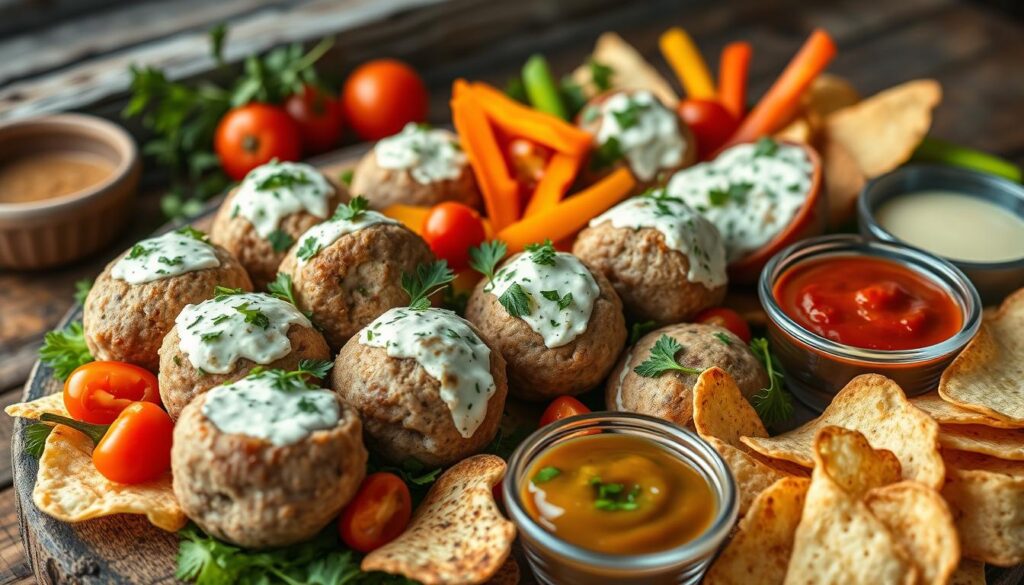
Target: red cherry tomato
<point>137,446</point>
<point>318,117</point>
<point>255,134</point>
<point>378,513</point>
<point>450,230</point>
<point>710,122</point>
<point>726,319</point>
<point>382,96</point>
<point>562,407</point>
<point>98,391</point>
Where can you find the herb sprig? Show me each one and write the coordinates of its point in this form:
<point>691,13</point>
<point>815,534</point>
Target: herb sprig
<point>663,359</point>
<point>516,300</point>
<point>353,209</point>
<point>65,349</point>
<point>427,280</point>
<point>773,404</point>
<point>543,253</point>
<point>485,257</point>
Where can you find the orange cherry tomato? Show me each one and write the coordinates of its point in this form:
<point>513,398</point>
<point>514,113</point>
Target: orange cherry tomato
<point>137,446</point>
<point>255,134</point>
<point>726,319</point>
<point>451,229</point>
<point>380,97</point>
<point>98,391</point>
<point>710,122</point>
<point>562,407</point>
<point>318,117</point>
<point>378,513</point>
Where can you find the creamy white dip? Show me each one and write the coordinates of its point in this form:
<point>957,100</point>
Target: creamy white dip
<point>560,296</point>
<point>446,347</point>
<point>216,333</point>
<point>751,192</point>
<point>258,407</point>
<point>647,132</point>
<point>429,155</point>
<point>171,254</point>
<point>275,190</point>
<point>322,235</point>
<point>684,230</point>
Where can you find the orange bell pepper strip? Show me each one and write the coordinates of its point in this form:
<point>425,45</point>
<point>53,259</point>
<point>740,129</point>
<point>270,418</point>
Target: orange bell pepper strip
<point>688,64</point>
<point>558,176</point>
<point>569,216</point>
<point>779,102</point>
<point>519,120</point>
<point>500,191</point>
<point>732,77</point>
<point>411,216</point>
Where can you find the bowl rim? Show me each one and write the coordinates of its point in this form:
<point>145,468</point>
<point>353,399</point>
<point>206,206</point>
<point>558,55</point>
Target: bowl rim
<point>103,131</point>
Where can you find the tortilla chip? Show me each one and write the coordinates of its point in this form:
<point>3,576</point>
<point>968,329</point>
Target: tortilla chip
<point>988,375</point>
<point>968,573</point>
<point>986,497</point>
<point>759,551</point>
<point>629,70</point>
<point>1001,443</point>
<point>69,488</point>
<point>877,407</point>
<point>52,403</point>
<point>947,413</point>
<point>828,93</point>
<point>839,540</point>
<point>852,464</point>
<point>798,130</point>
<point>883,131</point>
<point>457,535</point>
<point>920,520</point>
<point>843,182</point>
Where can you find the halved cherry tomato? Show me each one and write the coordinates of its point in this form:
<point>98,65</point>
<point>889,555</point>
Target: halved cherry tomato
<point>562,407</point>
<point>378,513</point>
<point>380,97</point>
<point>726,319</point>
<point>318,117</point>
<point>710,122</point>
<point>255,134</point>
<point>137,446</point>
<point>98,391</point>
<point>450,230</point>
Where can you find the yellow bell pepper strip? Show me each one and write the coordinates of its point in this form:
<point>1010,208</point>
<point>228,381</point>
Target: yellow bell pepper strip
<point>518,120</point>
<point>557,179</point>
<point>688,64</point>
<point>732,77</point>
<point>541,87</point>
<point>940,151</point>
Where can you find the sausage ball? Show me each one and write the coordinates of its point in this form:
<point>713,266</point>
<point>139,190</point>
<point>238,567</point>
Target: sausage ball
<point>417,166</point>
<point>134,301</point>
<point>346,273</point>
<point>246,476</point>
<point>571,335</point>
<point>262,217</point>
<point>426,385</point>
<point>633,128</point>
<point>666,261</point>
<point>221,340</point>
<point>670,395</point>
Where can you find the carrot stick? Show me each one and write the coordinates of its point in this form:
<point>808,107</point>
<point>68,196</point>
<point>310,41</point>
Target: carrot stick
<point>770,113</point>
<point>557,177</point>
<point>567,217</point>
<point>499,189</point>
<point>688,64</point>
<point>411,216</point>
<point>519,120</point>
<point>732,77</point>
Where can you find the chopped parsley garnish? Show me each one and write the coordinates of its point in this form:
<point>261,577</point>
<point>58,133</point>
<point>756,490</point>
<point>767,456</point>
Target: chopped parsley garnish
<point>606,154</point>
<point>346,177</point>
<point>208,337</point>
<point>253,316</point>
<point>516,300</point>
<point>428,279</point>
<point>736,193</point>
<point>222,292</point>
<point>543,254</point>
<point>640,329</point>
<point>283,179</point>
<point>295,380</point>
<point>280,240</point>
<point>35,438</point>
<point>485,257</point>
<point>600,74</point>
<point>546,474</point>
<point>220,319</point>
<point>82,288</point>
<point>65,349</point>
<point>630,116</point>
<point>773,404</point>
<point>138,251</point>
<point>723,338</point>
<point>307,405</point>
<point>351,211</point>
<point>765,146</point>
<point>552,295</point>
<point>310,247</point>
<point>193,233</point>
<point>176,261</point>
<point>613,497</point>
<point>663,359</point>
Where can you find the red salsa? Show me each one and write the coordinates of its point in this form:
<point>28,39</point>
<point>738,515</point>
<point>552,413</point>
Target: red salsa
<point>868,302</point>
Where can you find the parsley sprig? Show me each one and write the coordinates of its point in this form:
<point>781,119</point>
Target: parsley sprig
<point>193,233</point>
<point>543,254</point>
<point>283,178</point>
<point>310,247</point>
<point>222,292</point>
<point>65,349</point>
<point>280,240</point>
<point>353,209</point>
<point>427,280</point>
<point>35,438</point>
<point>253,316</point>
<point>516,300</point>
<point>765,146</point>
<point>663,359</point>
<point>485,257</point>
<point>773,404</point>
<point>281,288</point>
<point>561,301</point>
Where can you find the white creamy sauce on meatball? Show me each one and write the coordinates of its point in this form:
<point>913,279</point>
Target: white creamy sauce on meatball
<point>559,294</point>
<point>323,235</point>
<point>446,347</point>
<point>429,155</point>
<point>216,333</point>
<point>256,407</point>
<point>751,192</point>
<point>275,190</point>
<point>684,230</point>
<point>646,131</point>
<point>171,254</point>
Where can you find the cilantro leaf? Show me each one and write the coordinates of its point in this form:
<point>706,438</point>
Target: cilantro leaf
<point>428,279</point>
<point>516,300</point>
<point>485,257</point>
<point>280,240</point>
<point>773,404</point>
<point>353,209</point>
<point>310,247</point>
<point>35,438</point>
<point>543,254</point>
<point>65,349</point>
<point>663,359</point>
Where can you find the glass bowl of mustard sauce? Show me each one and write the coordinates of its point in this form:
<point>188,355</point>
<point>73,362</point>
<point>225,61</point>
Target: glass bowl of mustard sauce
<point>617,498</point>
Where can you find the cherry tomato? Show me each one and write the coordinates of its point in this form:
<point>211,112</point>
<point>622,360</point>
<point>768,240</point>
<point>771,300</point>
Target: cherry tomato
<point>137,446</point>
<point>562,407</point>
<point>98,391</point>
<point>450,230</point>
<point>726,319</point>
<point>318,116</point>
<point>710,122</point>
<point>255,134</point>
<point>378,513</point>
<point>380,97</point>
<point>528,160</point>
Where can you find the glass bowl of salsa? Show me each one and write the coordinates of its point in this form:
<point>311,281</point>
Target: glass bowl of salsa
<point>840,306</point>
<point>612,497</point>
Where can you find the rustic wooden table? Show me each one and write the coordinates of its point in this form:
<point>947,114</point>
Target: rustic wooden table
<point>974,50</point>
